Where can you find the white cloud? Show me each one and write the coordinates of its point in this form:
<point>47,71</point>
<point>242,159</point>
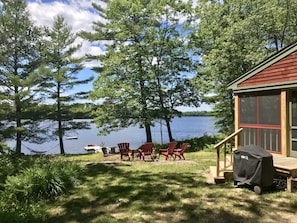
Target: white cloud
<point>77,13</point>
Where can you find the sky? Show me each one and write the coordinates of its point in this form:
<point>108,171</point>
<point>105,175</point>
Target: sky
<point>80,15</point>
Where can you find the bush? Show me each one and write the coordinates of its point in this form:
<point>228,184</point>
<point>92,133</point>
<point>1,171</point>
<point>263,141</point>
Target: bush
<point>3,148</point>
<point>205,142</point>
<point>12,210</point>
<point>12,163</point>
<point>6,169</point>
<point>36,180</point>
<point>43,182</point>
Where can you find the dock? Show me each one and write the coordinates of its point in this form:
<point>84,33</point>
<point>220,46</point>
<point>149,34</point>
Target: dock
<point>286,166</point>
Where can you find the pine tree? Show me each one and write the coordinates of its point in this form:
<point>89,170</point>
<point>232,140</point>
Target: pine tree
<point>20,57</point>
<point>60,74</point>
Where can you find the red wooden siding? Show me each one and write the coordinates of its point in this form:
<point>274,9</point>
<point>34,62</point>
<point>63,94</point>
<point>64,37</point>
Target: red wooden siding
<point>282,71</point>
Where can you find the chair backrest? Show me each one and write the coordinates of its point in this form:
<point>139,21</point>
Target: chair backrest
<point>184,147</point>
<point>147,147</point>
<point>124,147</point>
<point>171,147</point>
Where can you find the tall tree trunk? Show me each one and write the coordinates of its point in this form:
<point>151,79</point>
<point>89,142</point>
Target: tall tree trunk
<point>144,103</point>
<point>167,120</point>
<point>18,135</point>
<point>62,151</point>
<point>60,127</point>
<point>169,130</point>
<point>18,108</point>
<point>148,133</point>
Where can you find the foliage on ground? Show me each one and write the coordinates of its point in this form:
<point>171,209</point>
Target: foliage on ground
<point>110,190</point>
<point>205,142</point>
<point>165,191</point>
<point>28,181</point>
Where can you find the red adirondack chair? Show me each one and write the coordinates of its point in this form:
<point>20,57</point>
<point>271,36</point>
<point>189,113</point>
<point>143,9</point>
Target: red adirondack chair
<point>125,150</point>
<point>146,150</point>
<point>180,151</point>
<point>169,150</point>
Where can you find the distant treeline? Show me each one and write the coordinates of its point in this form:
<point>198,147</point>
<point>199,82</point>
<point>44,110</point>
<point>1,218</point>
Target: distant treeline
<point>74,111</point>
<point>198,113</point>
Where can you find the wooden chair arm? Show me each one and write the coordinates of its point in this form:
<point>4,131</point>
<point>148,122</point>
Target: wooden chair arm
<point>177,150</point>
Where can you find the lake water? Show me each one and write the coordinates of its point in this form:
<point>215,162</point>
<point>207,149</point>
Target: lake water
<point>182,128</point>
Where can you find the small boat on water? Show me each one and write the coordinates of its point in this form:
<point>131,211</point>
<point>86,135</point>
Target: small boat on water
<point>93,148</point>
<point>100,149</point>
<point>71,137</point>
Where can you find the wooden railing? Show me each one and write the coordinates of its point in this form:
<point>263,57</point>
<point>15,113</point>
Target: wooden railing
<point>224,143</point>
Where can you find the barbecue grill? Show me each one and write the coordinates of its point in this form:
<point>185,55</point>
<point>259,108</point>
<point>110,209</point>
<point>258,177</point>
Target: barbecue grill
<point>253,166</point>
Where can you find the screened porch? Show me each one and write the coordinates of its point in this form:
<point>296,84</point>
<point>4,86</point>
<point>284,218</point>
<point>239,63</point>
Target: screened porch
<point>259,116</point>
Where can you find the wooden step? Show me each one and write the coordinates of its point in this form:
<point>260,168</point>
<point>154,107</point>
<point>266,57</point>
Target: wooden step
<point>219,180</point>
<point>222,178</point>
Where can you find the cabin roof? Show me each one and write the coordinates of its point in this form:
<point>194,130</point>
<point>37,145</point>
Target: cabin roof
<point>238,84</point>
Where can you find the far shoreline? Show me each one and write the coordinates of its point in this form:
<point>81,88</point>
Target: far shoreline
<point>197,113</point>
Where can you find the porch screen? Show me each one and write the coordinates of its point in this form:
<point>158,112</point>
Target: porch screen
<point>259,115</point>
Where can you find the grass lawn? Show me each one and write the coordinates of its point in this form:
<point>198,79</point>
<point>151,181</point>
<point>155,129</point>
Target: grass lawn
<point>164,191</point>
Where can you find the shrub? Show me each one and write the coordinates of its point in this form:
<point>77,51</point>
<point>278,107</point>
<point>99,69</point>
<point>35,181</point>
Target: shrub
<point>6,168</point>
<point>24,191</point>
<point>3,148</point>
<point>205,142</point>
<point>12,210</point>
<point>12,164</point>
<point>43,182</point>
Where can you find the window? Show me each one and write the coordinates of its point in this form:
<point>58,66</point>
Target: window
<point>269,109</point>
<point>248,111</point>
<point>259,115</point>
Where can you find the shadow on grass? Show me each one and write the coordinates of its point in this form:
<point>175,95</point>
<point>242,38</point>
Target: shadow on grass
<point>117,192</point>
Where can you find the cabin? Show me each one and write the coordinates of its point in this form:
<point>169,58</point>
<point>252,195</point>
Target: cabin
<point>266,112</point>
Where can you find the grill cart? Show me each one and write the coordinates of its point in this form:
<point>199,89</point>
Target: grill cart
<point>253,166</point>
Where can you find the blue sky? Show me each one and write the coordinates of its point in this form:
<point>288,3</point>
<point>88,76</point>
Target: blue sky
<point>78,14</point>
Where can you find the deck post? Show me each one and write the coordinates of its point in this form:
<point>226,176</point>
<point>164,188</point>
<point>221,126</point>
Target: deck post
<point>285,148</point>
<point>218,162</point>
<point>225,154</point>
<point>290,183</point>
<point>236,120</point>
